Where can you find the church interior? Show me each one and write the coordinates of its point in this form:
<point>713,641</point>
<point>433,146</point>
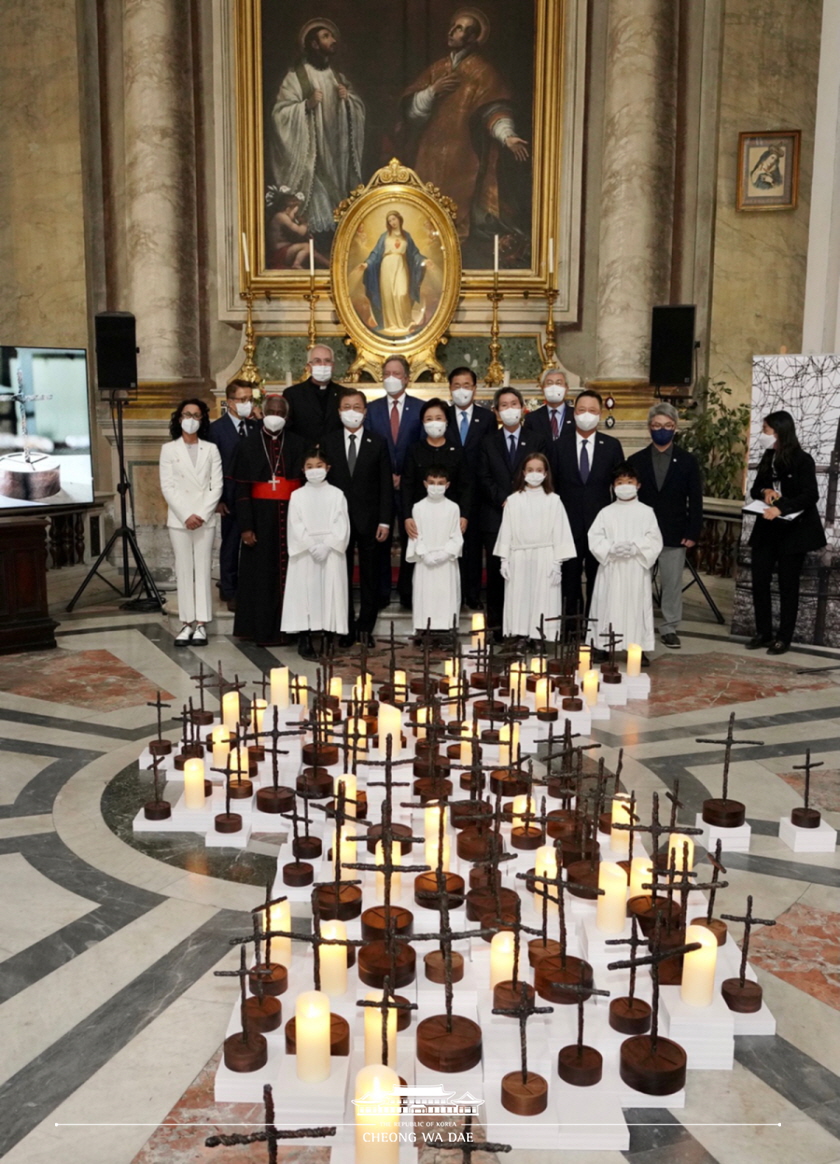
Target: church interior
<point>197,192</point>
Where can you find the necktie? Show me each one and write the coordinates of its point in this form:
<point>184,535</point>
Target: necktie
<point>584,461</point>
<point>464,428</point>
<point>351,454</point>
<point>511,449</point>
<point>242,428</point>
<point>555,428</point>
<point>395,422</point>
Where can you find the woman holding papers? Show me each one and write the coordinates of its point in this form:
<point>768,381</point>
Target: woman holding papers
<point>787,529</point>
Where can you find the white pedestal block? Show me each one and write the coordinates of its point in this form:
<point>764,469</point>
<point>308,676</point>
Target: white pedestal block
<point>214,840</point>
<point>590,1118</point>
<point>819,840</point>
<point>593,943</point>
<point>732,840</point>
<point>706,1032</point>
<point>638,686</point>
<point>535,1132</point>
<point>247,1086</point>
<point>615,694</point>
<point>761,1022</point>
<point>601,711</point>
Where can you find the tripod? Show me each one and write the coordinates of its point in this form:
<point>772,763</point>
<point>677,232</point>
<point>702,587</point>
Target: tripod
<point>153,599</point>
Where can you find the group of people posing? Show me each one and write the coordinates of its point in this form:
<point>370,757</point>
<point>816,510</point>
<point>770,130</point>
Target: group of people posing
<point>540,502</point>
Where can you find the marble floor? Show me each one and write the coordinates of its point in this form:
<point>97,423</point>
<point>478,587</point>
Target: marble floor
<point>111,1018</point>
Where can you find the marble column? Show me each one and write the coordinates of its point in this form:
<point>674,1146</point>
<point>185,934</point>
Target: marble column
<point>637,183</point>
<point>161,235</point>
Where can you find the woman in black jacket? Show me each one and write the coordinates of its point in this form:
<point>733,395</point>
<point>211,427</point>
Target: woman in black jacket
<point>786,482</point>
<point>434,449</point>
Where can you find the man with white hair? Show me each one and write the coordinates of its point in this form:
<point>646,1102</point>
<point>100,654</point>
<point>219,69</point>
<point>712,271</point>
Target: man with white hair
<point>670,482</point>
<point>314,402</point>
<point>548,420</point>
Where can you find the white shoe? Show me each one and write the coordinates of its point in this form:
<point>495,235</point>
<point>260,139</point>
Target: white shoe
<point>184,636</point>
<point>199,638</point>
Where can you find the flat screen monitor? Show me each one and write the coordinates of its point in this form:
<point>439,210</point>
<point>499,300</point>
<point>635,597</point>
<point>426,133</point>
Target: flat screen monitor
<point>44,428</point>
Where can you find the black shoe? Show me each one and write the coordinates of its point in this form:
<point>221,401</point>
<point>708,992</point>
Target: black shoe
<point>305,647</point>
<point>645,660</point>
<point>384,602</point>
<point>778,647</point>
<point>671,640</point>
<point>345,642</point>
<point>757,642</point>
<point>366,639</point>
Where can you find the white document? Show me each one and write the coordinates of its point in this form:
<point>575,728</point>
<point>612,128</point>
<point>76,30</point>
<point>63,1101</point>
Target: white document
<point>759,507</point>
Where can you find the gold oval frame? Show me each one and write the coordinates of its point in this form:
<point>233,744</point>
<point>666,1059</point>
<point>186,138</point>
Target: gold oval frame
<point>395,186</point>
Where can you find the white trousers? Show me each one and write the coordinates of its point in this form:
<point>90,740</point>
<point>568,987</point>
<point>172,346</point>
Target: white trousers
<point>193,562</point>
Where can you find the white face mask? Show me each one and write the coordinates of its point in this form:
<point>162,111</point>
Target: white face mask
<point>766,440</point>
<point>315,476</point>
<point>554,393</point>
<point>274,423</point>
<point>436,490</point>
<point>534,479</point>
<point>393,385</point>
<point>462,397</point>
<point>510,416</point>
<point>626,492</point>
<point>244,408</point>
<point>321,373</point>
<point>190,425</point>
<point>586,421</point>
<point>435,428</point>
<point>350,418</point>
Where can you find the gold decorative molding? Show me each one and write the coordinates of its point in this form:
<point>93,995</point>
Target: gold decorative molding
<point>632,398</point>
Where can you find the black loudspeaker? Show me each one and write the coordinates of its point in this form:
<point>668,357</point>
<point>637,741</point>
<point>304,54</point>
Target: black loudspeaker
<point>672,347</point>
<point>116,350</point>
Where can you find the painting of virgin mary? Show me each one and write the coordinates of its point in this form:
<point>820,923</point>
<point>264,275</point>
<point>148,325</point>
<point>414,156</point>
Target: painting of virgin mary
<point>392,274</point>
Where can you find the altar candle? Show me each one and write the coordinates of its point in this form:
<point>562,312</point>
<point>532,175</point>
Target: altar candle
<point>495,254</point>
<point>634,661</point>
<point>542,698</point>
<point>279,677</point>
<point>389,723</point>
<point>584,659</point>
<point>550,260</point>
<point>466,743</point>
<point>611,911</point>
<point>431,819</point>
<point>302,684</point>
<point>508,744</point>
<point>377,1120</point>
<point>349,781</point>
<point>379,859</point>
<point>521,804</point>
<point>698,976</point>
<point>333,960</point>
<point>221,746</point>
<point>258,707</point>
<point>641,873</point>
<point>477,627</point>
<point>245,258</point>
<point>280,918</point>
<point>676,850</point>
<point>538,665</point>
<point>422,718</point>
<point>501,958</point>
<point>336,688</point>
<point>620,814</point>
<point>230,709</point>
<point>431,851</point>
<point>358,728</point>
<point>516,670</point>
<point>400,686</point>
<point>239,762</point>
<point>506,378</point>
<point>312,1031</point>
<point>194,784</point>
<point>373,1030</point>
<point>590,688</point>
<point>450,668</point>
<point>545,865</point>
<point>311,258</point>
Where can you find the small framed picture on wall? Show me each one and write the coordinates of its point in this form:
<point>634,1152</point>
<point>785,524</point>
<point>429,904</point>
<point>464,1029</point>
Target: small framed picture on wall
<point>768,170</point>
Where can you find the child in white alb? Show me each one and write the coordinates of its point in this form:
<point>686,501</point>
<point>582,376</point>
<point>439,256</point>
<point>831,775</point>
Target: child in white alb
<point>435,552</point>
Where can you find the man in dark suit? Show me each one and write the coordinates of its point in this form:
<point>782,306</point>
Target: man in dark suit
<point>670,482</point>
<point>226,432</point>
<point>361,468</point>
<point>583,461</point>
<point>396,418</point>
<point>469,425</point>
<point>313,404</point>
<point>550,419</point>
<point>501,454</point>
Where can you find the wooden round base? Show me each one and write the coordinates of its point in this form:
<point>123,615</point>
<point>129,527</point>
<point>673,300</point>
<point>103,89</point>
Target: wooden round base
<point>274,979</point>
<point>349,903</point>
<point>719,928</point>
<point>278,799</point>
<point>399,831</point>
<point>449,1051</point>
<point>361,805</point>
<point>480,902</point>
<point>157,810</point>
<point>547,715</point>
<point>263,1014</point>
<point>375,922</point>
<point>431,764</point>
<point>744,999</point>
<point>645,908</point>
<point>526,838</point>
<point>243,1056</point>
<point>524,1097</point>
<point>426,888</point>
<point>724,814</point>
<point>472,845</point>
<point>403,1016</point>
<point>561,822</point>
<point>572,703</point>
<point>307,848</point>
<point>320,754</point>
<point>469,813</point>
<point>659,1072</point>
<point>201,717</point>
<point>256,753</point>
<point>551,969</point>
<point>160,747</point>
<point>610,676</point>
<point>190,752</point>
<point>506,920</point>
<point>298,874</point>
<point>228,822</point>
<point>314,783</point>
<point>582,876</point>
<point>580,849</point>
<point>489,735</point>
<point>506,996</point>
<point>436,968</point>
<point>630,1016</point>
<point>375,965</point>
<point>805,818</point>
<point>507,784</point>
<point>485,708</point>
<point>429,788</point>
<point>339,1036</point>
<point>241,789</point>
<point>580,1066</point>
<point>481,877</point>
<point>539,949</point>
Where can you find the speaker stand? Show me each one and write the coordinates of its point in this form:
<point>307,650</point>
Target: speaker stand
<point>150,599</point>
<point>695,578</point>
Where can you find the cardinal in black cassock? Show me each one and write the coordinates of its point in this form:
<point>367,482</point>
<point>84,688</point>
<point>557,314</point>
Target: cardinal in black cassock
<point>267,469</point>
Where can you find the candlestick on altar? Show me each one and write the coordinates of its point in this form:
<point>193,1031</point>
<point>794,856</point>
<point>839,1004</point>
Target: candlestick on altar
<point>524,1092</point>
<point>723,812</point>
<point>577,1064</point>
<point>270,1135</point>
<point>495,371</point>
<point>805,817</point>
<point>741,994</point>
<point>247,1050</point>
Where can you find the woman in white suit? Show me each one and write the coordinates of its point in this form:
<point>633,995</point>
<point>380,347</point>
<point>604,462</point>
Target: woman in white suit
<point>191,483</point>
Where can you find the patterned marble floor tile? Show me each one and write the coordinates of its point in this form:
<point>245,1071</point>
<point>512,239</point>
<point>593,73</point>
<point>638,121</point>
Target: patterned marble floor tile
<point>803,948</point>
<point>32,906</point>
<point>79,678</point>
<point>825,787</point>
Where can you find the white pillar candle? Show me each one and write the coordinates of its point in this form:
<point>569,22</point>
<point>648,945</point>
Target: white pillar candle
<point>421,717</point>
<point>280,918</point>
<point>545,865</point>
<point>302,684</point>
<point>349,781</point>
<point>336,688</point>
<point>501,958</point>
<point>517,682</point>
<point>477,627</point>
<point>698,976</point>
<point>634,660</point>
<point>312,1036</point>
<point>466,745</point>
<point>508,744</point>
<point>400,686</point>
<point>373,1031</point>
<point>311,258</point>
<point>450,668</point>
<point>431,851</point>
<point>550,260</point>
<point>230,709</point>
<point>221,746</point>
<point>676,851</point>
<point>584,659</point>
<point>279,677</point>
<point>620,814</point>
<point>194,784</point>
<point>431,820</point>
<point>496,254</point>
<point>333,960</point>
<point>378,1120</point>
<point>521,804</point>
<point>538,665</point>
<point>389,723</point>
<point>641,873</point>
<point>358,728</point>
<point>542,698</point>
<point>611,911</point>
<point>245,258</point>
<point>590,688</point>
<point>379,859</point>
<point>258,707</point>
<point>239,762</point>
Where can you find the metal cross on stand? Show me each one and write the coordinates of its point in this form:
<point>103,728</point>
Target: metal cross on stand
<point>201,681</point>
<point>715,884</point>
<point>221,685</point>
<point>523,1011</point>
<point>618,767</point>
<point>635,942</point>
<point>385,1005</point>
<point>612,638</point>
<point>728,743</point>
<point>466,1146</point>
<point>159,705</point>
<point>629,825</point>
<point>807,816</point>
<point>748,921</point>
<point>20,398</point>
<point>655,828</point>
<point>157,791</point>
<point>264,970</point>
<point>581,992</point>
<point>271,1135</point>
<point>242,974</point>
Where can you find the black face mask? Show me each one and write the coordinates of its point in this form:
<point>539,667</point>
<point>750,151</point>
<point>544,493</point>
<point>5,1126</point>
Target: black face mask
<point>662,436</point>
